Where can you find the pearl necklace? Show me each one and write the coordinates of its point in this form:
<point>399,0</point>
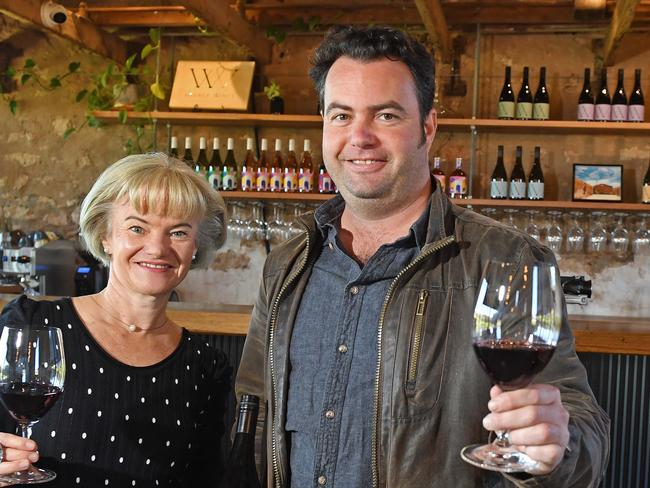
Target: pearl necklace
<point>129,327</point>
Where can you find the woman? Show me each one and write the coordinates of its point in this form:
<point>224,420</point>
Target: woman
<point>143,398</point>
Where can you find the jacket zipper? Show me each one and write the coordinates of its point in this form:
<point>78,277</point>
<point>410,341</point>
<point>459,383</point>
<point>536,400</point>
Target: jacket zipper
<point>277,480</point>
<point>437,246</point>
<point>417,338</point>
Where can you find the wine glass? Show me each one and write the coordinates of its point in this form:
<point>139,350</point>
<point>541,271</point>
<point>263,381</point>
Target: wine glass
<point>597,232</point>
<point>620,238</point>
<point>32,371</point>
<point>641,240</point>
<point>532,229</point>
<point>511,214</point>
<point>554,236</point>
<point>575,236</point>
<point>517,320</point>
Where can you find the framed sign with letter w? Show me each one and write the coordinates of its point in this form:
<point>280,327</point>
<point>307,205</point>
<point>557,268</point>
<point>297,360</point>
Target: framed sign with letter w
<point>212,85</point>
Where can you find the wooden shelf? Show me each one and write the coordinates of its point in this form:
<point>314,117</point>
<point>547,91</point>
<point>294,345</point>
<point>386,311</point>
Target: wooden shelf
<point>315,121</point>
<point>478,202</point>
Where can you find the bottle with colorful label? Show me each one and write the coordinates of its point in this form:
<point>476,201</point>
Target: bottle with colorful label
<point>458,181</point>
<point>325,184</point>
<point>439,174</point>
<point>248,175</point>
<point>229,168</point>
<point>275,176</point>
<point>290,169</point>
<point>262,172</point>
<point>305,170</point>
<point>201,165</point>
<point>214,167</point>
<point>645,198</point>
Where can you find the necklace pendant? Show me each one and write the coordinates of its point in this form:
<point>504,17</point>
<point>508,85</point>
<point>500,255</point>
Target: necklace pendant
<point>131,327</point>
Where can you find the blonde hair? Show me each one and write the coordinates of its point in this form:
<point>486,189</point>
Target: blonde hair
<point>159,184</point>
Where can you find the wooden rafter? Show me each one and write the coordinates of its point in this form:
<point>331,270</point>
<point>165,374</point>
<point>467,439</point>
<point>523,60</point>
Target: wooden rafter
<point>436,25</point>
<point>159,16</point>
<point>221,16</point>
<point>621,22</point>
<point>78,30</point>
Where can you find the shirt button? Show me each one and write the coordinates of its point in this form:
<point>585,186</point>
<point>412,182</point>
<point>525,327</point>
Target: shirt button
<point>322,480</point>
<point>330,414</point>
<point>354,290</point>
<point>343,348</point>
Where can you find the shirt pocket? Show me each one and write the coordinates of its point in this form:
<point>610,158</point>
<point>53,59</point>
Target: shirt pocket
<point>425,313</point>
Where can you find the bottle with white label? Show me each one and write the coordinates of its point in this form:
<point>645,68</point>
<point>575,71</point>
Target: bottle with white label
<point>458,181</point>
<point>201,165</point>
<point>214,167</point>
<point>619,100</point>
<point>305,170</point>
<point>506,107</point>
<point>229,169</point>
<point>636,109</point>
<point>603,109</point>
<point>248,167</point>
<point>645,198</point>
<point>275,176</point>
<point>517,188</point>
<point>586,100</point>
<point>263,169</point>
<point>187,155</point>
<point>499,179</point>
<point>525,99</point>
<point>536,178</point>
<point>173,147</point>
<point>541,102</point>
<point>439,174</point>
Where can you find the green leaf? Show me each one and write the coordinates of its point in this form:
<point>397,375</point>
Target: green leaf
<point>55,82</point>
<point>157,91</point>
<point>154,35</point>
<point>129,62</point>
<point>313,22</point>
<point>103,79</point>
<point>13,105</point>
<point>93,121</point>
<point>81,95</point>
<point>10,72</point>
<point>67,133</point>
<point>139,131</point>
<point>122,116</point>
<point>24,78</point>
<point>72,67</point>
<point>146,51</point>
<point>29,63</point>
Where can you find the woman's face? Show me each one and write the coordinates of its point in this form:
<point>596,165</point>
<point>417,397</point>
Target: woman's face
<point>150,254</point>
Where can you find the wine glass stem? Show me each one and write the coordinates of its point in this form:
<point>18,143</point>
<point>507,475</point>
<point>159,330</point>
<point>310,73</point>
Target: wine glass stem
<point>25,430</point>
<point>501,439</point>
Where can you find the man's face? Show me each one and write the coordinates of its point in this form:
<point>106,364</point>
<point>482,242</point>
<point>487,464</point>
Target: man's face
<point>372,133</point>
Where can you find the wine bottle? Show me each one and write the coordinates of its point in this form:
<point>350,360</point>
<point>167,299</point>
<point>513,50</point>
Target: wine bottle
<point>517,187</point>
<point>325,184</point>
<point>262,173</point>
<point>229,168</point>
<point>636,109</point>
<point>306,169</point>
<point>525,99</point>
<point>586,100</point>
<point>201,165</point>
<point>458,181</point>
<point>290,169</point>
<point>439,174</point>
<point>499,179</point>
<point>536,178</point>
<point>645,198</point>
<point>214,167</point>
<point>241,471</point>
<point>541,102</point>
<point>248,167</point>
<point>275,177</point>
<point>603,109</point>
<point>187,155</point>
<point>619,100</point>
<point>173,147</point>
<point>506,107</point>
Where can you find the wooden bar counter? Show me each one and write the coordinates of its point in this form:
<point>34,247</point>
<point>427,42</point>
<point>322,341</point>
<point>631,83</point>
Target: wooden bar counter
<point>612,335</point>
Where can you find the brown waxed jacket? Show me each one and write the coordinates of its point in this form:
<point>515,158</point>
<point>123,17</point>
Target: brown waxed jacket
<point>430,392</point>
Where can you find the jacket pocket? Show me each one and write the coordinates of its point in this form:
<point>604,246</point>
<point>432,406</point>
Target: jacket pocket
<point>416,342</point>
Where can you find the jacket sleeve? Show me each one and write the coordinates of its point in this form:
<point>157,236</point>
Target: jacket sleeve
<point>585,462</point>
<point>252,370</point>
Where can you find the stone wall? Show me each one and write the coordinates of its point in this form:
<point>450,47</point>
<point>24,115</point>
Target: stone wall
<point>44,177</point>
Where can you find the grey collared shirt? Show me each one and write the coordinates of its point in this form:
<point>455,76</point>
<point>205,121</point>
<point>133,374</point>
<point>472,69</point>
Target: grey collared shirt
<point>333,357</point>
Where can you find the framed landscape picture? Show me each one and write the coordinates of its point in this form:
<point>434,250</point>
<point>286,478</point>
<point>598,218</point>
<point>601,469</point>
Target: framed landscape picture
<point>597,182</point>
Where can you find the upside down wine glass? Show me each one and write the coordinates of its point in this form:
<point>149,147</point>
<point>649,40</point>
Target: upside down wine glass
<point>32,371</point>
<point>517,320</point>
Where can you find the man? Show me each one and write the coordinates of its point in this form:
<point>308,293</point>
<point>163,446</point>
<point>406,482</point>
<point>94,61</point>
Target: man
<point>350,402</point>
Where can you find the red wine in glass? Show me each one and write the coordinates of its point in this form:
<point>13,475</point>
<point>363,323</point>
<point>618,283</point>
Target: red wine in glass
<point>517,320</point>
<point>32,373</point>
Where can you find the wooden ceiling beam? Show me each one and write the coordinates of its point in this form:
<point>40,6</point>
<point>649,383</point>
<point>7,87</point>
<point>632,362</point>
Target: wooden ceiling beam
<point>75,29</point>
<point>221,15</point>
<point>159,16</point>
<point>621,21</point>
<point>434,21</point>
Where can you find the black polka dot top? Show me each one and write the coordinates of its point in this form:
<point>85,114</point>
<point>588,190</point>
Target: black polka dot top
<point>123,426</point>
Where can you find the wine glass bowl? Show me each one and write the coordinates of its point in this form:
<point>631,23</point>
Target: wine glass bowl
<point>32,373</point>
<point>517,320</point>
<point>575,237</point>
<point>554,236</point>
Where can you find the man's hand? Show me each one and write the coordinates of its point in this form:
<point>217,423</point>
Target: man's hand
<point>19,453</point>
<point>536,421</point>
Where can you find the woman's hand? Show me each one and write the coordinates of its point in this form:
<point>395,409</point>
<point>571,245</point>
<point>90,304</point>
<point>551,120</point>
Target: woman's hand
<point>18,453</point>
